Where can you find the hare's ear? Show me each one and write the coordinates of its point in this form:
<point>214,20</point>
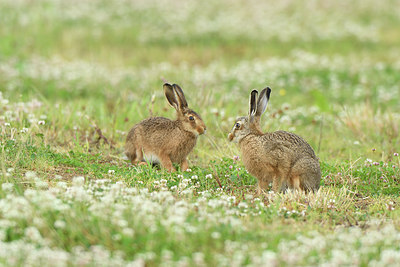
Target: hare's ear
<point>180,97</point>
<point>170,95</point>
<point>263,101</point>
<point>253,104</point>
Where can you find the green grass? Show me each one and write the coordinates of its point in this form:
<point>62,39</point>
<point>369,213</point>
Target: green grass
<point>70,69</point>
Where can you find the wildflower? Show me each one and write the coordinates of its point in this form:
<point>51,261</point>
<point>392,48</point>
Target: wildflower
<point>195,177</point>
<point>230,167</point>
<point>390,206</point>
<point>235,158</point>
<point>78,181</point>
<point>24,130</point>
<point>59,224</point>
<point>126,231</point>
<point>180,176</point>
<point>41,122</point>
<point>375,163</point>
<point>395,154</point>
<point>374,149</point>
<point>331,204</point>
<point>215,235</point>
<point>33,234</point>
<point>209,176</point>
<point>248,197</point>
<point>111,172</point>
<point>8,187</point>
<point>30,175</point>
<point>40,184</point>
<point>242,205</point>
<point>6,124</point>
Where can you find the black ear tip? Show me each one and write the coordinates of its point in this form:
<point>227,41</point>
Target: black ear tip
<point>167,84</point>
<point>254,93</point>
<point>268,92</point>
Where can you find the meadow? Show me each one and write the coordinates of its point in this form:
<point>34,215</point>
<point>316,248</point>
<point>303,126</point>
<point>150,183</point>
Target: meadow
<point>76,75</point>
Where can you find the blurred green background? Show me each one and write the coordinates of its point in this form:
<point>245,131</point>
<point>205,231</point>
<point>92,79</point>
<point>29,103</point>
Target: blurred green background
<point>333,67</point>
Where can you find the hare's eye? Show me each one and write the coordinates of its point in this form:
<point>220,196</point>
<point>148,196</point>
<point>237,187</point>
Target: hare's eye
<point>191,118</point>
<point>237,125</point>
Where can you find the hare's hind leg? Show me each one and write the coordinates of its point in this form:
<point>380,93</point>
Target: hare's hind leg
<point>130,152</point>
<point>262,186</point>
<point>295,183</point>
<point>306,175</point>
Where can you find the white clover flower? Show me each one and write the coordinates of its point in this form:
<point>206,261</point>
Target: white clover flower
<point>7,124</point>
<point>24,130</point>
<point>78,181</point>
<point>129,232</point>
<point>248,197</point>
<point>195,177</point>
<point>390,206</point>
<point>59,224</point>
<point>33,234</point>
<point>30,175</point>
<point>188,170</point>
<point>331,204</point>
<point>62,185</point>
<point>215,235</point>
<point>40,184</point>
<point>209,176</point>
<point>7,187</point>
<point>243,205</point>
<point>41,122</point>
<point>111,172</point>
<point>116,237</point>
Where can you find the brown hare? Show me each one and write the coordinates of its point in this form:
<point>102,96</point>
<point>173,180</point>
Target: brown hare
<point>165,141</point>
<point>280,157</point>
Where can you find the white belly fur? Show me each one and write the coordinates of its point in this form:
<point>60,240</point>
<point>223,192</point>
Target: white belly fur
<point>151,158</point>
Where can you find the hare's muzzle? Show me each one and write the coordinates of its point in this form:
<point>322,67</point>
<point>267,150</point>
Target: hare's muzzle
<point>201,130</point>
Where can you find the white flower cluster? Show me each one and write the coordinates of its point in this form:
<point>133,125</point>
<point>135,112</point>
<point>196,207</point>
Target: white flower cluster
<point>261,21</point>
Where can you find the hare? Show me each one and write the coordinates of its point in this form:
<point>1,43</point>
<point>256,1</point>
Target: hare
<point>165,141</point>
<point>280,157</point>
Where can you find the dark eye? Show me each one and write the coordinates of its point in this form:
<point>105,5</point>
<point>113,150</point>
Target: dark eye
<point>237,125</point>
<point>191,118</point>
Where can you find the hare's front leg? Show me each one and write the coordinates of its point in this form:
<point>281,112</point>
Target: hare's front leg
<point>277,184</point>
<point>166,162</point>
<point>184,165</point>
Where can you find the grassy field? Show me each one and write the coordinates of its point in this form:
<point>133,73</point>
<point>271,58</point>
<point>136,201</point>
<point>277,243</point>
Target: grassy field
<point>76,75</point>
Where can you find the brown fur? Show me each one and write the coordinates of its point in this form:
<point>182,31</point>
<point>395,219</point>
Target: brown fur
<point>280,157</point>
<point>170,141</point>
